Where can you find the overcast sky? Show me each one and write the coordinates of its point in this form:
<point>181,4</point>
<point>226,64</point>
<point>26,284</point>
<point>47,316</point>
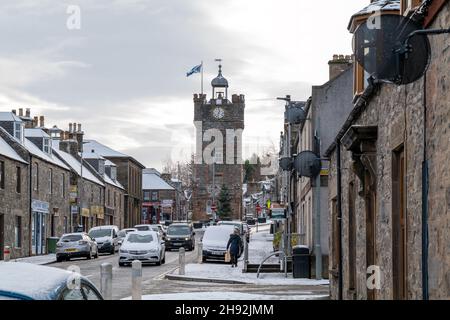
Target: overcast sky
<point>123,73</point>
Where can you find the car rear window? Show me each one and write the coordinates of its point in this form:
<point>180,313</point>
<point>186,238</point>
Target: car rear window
<point>72,237</point>
<point>139,238</point>
<point>178,230</point>
<point>143,228</point>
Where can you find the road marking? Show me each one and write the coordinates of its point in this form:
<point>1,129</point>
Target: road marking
<point>163,275</point>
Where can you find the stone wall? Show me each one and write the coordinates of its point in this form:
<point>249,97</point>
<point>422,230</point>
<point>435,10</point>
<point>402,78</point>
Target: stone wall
<point>398,113</point>
<point>14,204</point>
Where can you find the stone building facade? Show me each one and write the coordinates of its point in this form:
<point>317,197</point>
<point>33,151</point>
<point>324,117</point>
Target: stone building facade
<point>14,197</point>
<point>219,124</point>
<point>378,182</point>
<point>129,175</point>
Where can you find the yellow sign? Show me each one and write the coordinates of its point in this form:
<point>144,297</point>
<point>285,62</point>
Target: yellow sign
<point>98,211</point>
<point>85,212</point>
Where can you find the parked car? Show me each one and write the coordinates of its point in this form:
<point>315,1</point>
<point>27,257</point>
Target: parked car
<point>162,229</point>
<point>239,225</point>
<point>26,281</point>
<point>123,233</point>
<point>145,246</point>
<point>180,235</point>
<point>76,245</point>
<point>215,242</point>
<point>106,238</point>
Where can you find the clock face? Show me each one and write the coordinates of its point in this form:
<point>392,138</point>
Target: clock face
<point>218,113</point>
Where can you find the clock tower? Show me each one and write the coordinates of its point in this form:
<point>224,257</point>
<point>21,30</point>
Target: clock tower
<point>219,126</point>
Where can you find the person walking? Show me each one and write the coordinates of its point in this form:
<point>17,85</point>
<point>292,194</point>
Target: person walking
<point>234,246</point>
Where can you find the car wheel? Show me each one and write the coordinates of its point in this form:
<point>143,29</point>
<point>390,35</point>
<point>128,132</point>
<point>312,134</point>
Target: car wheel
<point>89,255</point>
<point>68,259</point>
<point>204,259</point>
<point>121,264</point>
<point>159,262</point>
<point>96,254</point>
<point>59,259</point>
<point>112,251</point>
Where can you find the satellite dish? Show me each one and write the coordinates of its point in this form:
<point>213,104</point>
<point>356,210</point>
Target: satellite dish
<point>286,164</point>
<point>388,52</point>
<point>295,114</point>
<point>307,164</point>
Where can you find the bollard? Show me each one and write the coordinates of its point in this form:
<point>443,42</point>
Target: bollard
<point>245,255</point>
<point>6,253</point>
<point>182,261</point>
<point>106,280</point>
<point>200,252</point>
<point>136,280</point>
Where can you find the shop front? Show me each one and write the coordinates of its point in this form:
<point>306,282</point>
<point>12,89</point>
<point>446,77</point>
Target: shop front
<point>39,217</point>
<point>151,213</point>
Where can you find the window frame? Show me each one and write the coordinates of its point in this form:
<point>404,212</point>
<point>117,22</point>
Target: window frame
<point>2,175</point>
<point>18,180</point>
<point>18,232</point>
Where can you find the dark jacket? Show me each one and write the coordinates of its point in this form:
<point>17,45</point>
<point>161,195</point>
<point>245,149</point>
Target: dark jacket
<point>234,244</point>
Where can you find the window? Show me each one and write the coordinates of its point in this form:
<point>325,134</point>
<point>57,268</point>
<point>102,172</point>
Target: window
<point>146,195</point>
<point>50,180</point>
<point>18,131</point>
<point>155,196</point>
<point>35,177</point>
<point>2,175</point>
<point>63,185</point>
<point>109,198</point>
<point>47,146</point>
<point>18,232</point>
<point>18,180</point>
<point>115,198</point>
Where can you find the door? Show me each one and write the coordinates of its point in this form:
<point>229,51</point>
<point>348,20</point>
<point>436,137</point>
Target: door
<point>2,235</point>
<point>38,229</point>
<point>399,230</point>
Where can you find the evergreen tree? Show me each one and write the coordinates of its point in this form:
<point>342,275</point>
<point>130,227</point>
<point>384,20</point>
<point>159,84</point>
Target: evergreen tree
<point>224,203</point>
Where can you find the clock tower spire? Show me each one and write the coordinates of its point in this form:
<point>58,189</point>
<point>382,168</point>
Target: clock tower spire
<point>218,160</point>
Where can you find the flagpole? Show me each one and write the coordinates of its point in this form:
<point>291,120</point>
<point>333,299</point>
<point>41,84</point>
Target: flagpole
<point>202,79</point>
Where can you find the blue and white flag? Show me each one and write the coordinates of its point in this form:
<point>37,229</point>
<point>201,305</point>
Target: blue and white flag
<point>196,69</point>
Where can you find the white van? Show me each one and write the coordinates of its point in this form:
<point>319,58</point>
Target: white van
<point>106,237</point>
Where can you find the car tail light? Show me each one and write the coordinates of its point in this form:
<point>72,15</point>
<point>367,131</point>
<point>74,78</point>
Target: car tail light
<point>82,242</point>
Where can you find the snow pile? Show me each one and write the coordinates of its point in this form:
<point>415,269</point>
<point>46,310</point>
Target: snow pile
<point>227,295</point>
<point>39,260</point>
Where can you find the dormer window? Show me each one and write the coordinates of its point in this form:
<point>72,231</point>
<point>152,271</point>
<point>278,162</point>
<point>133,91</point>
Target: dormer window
<point>113,173</point>
<point>46,146</point>
<point>18,131</point>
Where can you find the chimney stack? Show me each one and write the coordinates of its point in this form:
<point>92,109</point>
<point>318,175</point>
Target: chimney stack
<point>79,127</point>
<point>74,127</point>
<point>14,112</point>
<point>35,122</point>
<point>70,127</point>
<point>339,64</point>
<point>20,112</point>
<point>28,113</point>
<point>41,121</point>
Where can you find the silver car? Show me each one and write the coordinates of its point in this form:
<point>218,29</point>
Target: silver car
<point>123,233</point>
<point>75,245</point>
<point>145,246</point>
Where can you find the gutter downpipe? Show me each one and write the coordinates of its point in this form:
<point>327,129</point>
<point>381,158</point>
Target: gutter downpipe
<point>425,184</point>
<point>339,209</point>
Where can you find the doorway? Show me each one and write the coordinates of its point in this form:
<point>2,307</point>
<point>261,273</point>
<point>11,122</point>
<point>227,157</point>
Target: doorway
<point>399,222</point>
<point>38,231</point>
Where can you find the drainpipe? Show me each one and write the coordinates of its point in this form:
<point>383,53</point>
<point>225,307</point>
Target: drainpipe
<point>339,212</point>
<point>425,293</point>
<point>30,195</point>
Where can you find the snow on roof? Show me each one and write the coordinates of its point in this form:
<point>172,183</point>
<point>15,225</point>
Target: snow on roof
<point>92,155</point>
<point>380,5</point>
<point>9,116</point>
<point>36,132</point>
<point>116,183</point>
<point>110,164</point>
<point>76,166</point>
<point>152,181</point>
<point>102,149</point>
<point>7,151</point>
<point>34,281</point>
<point>34,150</point>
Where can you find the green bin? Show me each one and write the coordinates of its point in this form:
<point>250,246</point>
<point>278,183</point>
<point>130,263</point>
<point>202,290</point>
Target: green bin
<point>51,244</point>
